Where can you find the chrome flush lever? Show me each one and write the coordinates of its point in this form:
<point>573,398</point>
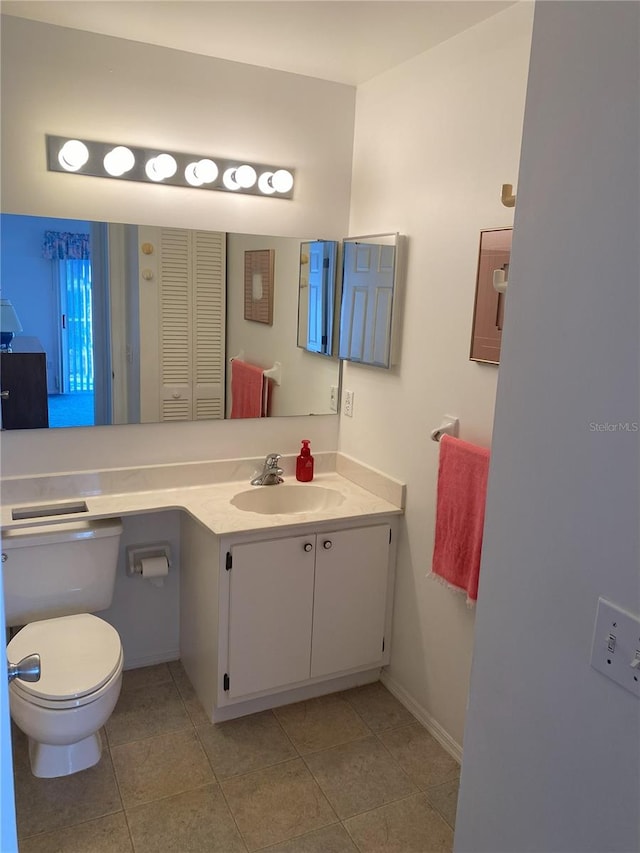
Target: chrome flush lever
<point>28,669</point>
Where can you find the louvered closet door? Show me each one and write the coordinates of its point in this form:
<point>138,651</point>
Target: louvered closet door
<point>175,325</point>
<point>192,311</point>
<point>208,324</point>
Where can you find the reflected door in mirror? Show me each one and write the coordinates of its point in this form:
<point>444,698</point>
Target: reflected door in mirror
<point>316,298</point>
<point>367,302</point>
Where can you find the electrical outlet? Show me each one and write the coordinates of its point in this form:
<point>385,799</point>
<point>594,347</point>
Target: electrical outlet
<point>333,398</point>
<point>616,645</point>
<point>348,403</point>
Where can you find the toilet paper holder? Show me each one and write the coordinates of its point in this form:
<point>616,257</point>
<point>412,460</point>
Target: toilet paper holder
<point>137,553</point>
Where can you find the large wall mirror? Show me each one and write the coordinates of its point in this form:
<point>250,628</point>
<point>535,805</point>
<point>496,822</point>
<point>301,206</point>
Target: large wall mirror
<point>120,323</point>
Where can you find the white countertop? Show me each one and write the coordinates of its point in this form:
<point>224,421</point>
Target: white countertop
<point>209,503</point>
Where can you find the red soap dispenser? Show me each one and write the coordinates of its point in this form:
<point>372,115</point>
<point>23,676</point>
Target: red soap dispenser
<point>304,463</point>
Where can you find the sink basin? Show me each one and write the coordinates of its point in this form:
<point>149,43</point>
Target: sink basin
<point>287,499</point>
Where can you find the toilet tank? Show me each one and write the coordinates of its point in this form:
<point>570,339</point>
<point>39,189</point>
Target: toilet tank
<point>59,569</point>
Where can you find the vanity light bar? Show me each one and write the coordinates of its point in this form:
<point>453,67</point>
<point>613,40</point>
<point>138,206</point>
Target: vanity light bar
<point>159,166</point>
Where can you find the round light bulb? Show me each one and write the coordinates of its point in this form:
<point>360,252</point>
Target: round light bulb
<point>207,171</point>
<point>191,175</point>
<point>161,167</point>
<point>229,179</point>
<point>282,181</point>
<point>264,183</point>
<point>118,161</point>
<point>246,176</point>
<point>203,172</point>
<point>166,165</point>
<point>73,155</point>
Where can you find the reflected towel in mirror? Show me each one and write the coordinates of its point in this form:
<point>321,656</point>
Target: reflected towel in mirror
<point>249,390</point>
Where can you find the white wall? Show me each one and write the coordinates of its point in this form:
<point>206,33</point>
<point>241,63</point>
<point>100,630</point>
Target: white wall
<point>552,747</point>
<point>146,616</point>
<point>435,139</point>
<point>61,81</point>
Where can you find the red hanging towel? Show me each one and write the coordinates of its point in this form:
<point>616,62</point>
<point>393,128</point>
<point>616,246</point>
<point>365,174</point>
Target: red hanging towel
<point>247,390</point>
<point>462,487</point>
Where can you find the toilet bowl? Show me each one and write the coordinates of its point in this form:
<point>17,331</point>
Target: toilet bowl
<point>55,576</point>
<point>81,674</point>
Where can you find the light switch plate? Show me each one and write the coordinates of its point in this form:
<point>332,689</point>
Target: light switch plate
<point>348,403</point>
<point>616,645</point>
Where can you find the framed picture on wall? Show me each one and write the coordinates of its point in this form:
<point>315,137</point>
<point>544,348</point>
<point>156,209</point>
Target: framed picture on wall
<point>488,313</point>
<point>258,285</point>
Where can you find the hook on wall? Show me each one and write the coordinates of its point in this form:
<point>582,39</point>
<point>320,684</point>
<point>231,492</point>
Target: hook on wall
<point>508,198</point>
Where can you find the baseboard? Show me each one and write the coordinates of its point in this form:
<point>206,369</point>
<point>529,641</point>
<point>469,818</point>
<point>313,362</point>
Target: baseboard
<point>432,726</point>
<point>137,661</point>
<point>298,694</point>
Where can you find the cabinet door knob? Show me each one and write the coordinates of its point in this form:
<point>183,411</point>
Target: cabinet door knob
<point>327,544</point>
<point>308,546</point>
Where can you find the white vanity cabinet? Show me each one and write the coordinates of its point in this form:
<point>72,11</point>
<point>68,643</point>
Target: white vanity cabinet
<point>288,611</point>
<point>305,606</point>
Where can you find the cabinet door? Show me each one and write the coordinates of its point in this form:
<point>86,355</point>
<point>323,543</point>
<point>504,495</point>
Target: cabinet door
<point>270,613</point>
<point>352,569</point>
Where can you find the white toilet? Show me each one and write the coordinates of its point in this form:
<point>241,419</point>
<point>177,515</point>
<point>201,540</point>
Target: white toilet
<point>55,576</point>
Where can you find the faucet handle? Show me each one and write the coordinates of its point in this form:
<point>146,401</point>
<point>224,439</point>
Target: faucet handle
<point>272,460</point>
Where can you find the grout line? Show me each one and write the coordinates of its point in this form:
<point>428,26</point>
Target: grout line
<point>164,733</point>
<point>233,817</point>
<point>126,820</point>
<point>384,805</point>
<point>285,732</point>
<point>435,807</point>
<point>353,841</point>
<point>69,825</point>
<point>266,849</point>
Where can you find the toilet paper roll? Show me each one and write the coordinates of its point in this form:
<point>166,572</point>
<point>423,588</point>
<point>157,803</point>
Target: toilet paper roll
<point>154,567</point>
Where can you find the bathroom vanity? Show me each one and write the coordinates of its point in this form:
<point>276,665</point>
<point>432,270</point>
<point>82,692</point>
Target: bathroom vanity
<point>268,618</point>
<point>286,592</point>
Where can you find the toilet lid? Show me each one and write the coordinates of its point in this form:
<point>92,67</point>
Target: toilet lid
<point>78,654</point>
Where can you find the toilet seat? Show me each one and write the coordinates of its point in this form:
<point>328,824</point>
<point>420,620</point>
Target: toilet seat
<point>79,656</point>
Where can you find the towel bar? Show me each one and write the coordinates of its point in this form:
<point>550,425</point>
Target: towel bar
<point>274,373</point>
<point>449,426</point>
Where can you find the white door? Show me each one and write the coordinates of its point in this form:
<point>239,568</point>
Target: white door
<point>270,613</point>
<point>367,301</point>
<point>314,324</point>
<point>352,570</point>
<point>182,306</point>
<point>8,841</point>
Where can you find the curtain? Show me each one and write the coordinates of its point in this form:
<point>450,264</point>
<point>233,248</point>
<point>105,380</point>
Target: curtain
<point>66,246</point>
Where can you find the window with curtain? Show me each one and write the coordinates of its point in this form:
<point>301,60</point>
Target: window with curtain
<point>77,336</point>
<point>71,253</point>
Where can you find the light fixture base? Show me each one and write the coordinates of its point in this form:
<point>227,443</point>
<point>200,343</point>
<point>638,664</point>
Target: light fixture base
<point>250,173</point>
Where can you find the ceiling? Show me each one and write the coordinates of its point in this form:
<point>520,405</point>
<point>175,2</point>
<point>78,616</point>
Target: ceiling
<point>346,42</point>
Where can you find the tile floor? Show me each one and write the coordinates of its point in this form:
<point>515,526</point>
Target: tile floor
<point>353,771</point>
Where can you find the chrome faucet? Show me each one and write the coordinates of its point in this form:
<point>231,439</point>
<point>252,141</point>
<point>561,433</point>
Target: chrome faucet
<point>271,472</point>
